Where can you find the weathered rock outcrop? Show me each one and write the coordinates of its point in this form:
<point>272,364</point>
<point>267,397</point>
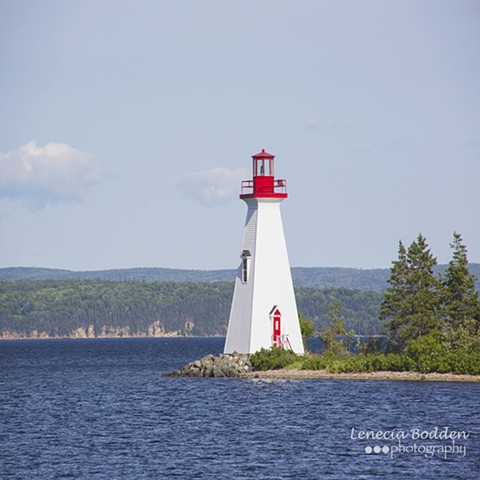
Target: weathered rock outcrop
<point>224,365</point>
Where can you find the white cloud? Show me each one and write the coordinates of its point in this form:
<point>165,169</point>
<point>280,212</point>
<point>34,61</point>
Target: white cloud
<point>56,172</point>
<point>212,186</point>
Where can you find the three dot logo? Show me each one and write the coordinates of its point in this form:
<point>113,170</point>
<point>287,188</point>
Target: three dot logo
<point>377,449</point>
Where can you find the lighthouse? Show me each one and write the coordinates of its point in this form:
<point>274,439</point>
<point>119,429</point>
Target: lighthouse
<point>264,310</point>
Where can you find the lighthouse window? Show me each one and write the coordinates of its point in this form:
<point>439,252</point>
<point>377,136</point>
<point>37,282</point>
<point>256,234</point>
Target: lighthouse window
<point>244,270</point>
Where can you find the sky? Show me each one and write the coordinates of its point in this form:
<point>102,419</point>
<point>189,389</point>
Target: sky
<point>126,127</point>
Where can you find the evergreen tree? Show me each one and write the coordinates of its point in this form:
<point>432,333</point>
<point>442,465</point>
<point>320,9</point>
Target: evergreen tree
<point>422,293</point>
<point>411,304</point>
<point>460,301</point>
<point>393,305</point>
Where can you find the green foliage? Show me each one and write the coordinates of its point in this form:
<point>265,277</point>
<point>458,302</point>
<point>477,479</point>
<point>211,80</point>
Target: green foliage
<point>368,280</point>
<point>435,320</point>
<point>394,362</point>
<point>411,304</point>
<point>417,302</point>
<point>371,280</point>
<point>273,358</point>
<point>315,362</point>
<point>307,329</point>
<point>370,347</point>
<point>336,328</point>
<point>358,363</point>
<point>393,306</point>
<point>430,352</point>
<point>460,302</point>
<point>360,309</point>
<point>59,307</point>
<point>442,353</point>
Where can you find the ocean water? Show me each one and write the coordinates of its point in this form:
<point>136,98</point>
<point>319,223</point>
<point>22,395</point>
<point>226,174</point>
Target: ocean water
<point>101,409</point>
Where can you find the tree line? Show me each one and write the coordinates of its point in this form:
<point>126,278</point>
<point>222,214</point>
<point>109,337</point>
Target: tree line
<point>419,303</point>
<point>432,321</point>
<point>59,308</point>
<point>310,277</point>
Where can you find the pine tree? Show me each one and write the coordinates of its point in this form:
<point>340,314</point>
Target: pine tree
<point>411,304</point>
<point>422,290</point>
<point>460,301</point>
<point>393,305</point>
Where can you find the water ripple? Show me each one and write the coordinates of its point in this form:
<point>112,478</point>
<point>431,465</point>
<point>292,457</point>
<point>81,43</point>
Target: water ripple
<point>102,410</point>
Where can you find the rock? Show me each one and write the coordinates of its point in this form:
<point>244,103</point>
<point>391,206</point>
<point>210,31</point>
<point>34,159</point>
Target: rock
<point>194,373</point>
<point>217,372</point>
<point>223,365</point>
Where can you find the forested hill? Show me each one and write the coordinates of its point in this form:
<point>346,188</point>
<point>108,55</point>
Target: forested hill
<point>99,308</point>
<point>314,277</point>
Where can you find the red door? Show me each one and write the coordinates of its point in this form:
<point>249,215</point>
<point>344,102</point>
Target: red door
<point>277,340</point>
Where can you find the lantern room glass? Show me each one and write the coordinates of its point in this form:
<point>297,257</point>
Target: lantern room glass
<point>263,167</point>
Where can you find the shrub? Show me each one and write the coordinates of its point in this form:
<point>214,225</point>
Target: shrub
<point>463,362</point>
<point>430,352</point>
<point>273,358</point>
<point>439,352</point>
<point>314,362</point>
<point>358,363</point>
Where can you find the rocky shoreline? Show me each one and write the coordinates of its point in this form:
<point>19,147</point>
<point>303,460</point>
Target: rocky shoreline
<point>223,365</point>
<point>239,366</point>
<point>121,333</point>
<point>293,374</point>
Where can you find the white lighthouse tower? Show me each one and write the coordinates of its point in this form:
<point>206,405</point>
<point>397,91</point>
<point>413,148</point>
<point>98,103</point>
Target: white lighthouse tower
<point>264,310</point>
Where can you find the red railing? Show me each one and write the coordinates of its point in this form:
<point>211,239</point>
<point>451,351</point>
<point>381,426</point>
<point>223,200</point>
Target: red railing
<point>247,187</point>
<point>279,186</point>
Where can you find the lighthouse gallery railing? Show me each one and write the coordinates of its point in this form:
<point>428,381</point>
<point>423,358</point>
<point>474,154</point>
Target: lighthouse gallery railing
<point>279,186</point>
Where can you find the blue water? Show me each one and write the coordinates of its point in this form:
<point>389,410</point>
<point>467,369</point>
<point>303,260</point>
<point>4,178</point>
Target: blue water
<point>101,409</point>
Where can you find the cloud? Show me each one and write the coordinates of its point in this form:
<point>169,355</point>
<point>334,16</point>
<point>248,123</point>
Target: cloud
<point>56,173</point>
<point>212,186</point>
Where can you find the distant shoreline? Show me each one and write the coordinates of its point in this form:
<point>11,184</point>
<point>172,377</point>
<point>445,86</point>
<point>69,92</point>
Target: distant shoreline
<point>103,337</point>
<point>294,374</point>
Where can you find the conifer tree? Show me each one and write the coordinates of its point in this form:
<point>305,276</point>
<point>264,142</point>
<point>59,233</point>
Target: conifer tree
<point>411,304</point>
<point>460,301</point>
<point>393,305</point>
<point>422,290</point>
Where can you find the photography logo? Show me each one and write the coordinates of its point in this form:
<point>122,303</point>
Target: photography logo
<point>437,441</point>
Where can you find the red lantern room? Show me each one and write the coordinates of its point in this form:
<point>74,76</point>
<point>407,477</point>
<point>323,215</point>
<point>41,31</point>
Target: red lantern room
<point>263,184</point>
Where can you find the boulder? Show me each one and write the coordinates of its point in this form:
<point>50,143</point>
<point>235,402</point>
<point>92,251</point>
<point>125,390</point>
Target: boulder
<point>223,365</point>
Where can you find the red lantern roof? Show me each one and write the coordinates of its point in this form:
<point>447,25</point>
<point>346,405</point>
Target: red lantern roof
<point>263,155</point>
